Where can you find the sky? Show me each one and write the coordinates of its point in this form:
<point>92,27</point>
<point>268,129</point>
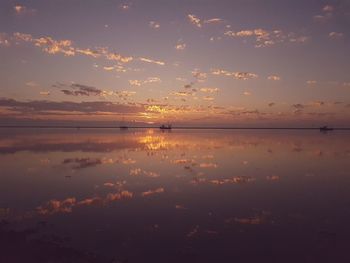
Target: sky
<point>187,62</point>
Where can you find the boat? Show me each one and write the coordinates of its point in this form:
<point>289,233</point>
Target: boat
<point>165,127</point>
<point>122,125</point>
<point>325,128</point>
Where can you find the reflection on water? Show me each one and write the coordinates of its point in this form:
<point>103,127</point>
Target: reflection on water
<point>179,196</point>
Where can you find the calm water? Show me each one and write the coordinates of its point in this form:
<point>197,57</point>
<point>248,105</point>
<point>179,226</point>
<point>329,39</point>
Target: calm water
<point>179,196</point>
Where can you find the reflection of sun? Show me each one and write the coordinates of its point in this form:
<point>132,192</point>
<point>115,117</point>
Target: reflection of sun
<point>154,142</point>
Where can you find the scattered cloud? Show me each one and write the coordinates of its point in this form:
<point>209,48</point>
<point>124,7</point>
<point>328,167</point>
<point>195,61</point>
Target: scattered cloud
<point>146,81</point>
<point>328,8</point>
<point>31,84</point>
<point>66,47</point>
<point>180,46</point>
<point>213,21</point>
<point>44,93</point>
<point>125,6</point>
<point>4,40</point>
<point>44,107</point>
<point>194,20</point>
<point>335,35</point>
<point>154,25</point>
<point>209,90</point>
<point>265,38</point>
<point>311,82</point>
<point>198,75</point>
<point>76,89</point>
<point>327,13</point>
<point>274,77</point>
<point>236,75</point>
<point>21,10</point>
<point>247,93</point>
<point>148,60</point>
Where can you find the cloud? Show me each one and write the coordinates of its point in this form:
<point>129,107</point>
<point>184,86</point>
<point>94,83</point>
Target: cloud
<point>274,77</point>
<point>76,89</point>
<point>213,21</point>
<point>328,8</point>
<point>21,10</point>
<point>31,84</point>
<point>208,98</point>
<point>66,47</point>
<point>125,6</point>
<point>209,90</point>
<point>180,46</point>
<point>327,13</point>
<point>311,82</point>
<point>236,75</point>
<point>335,35</point>
<point>194,20</point>
<point>271,104</point>
<point>199,76</point>
<point>4,40</point>
<point>146,81</point>
<point>247,93</point>
<point>148,60</point>
<point>154,25</point>
<point>44,93</point>
<point>265,38</point>
<point>44,107</point>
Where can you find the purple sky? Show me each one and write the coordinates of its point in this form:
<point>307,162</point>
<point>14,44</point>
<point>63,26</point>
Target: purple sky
<point>269,63</point>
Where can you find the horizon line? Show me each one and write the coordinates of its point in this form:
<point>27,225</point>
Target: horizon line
<point>173,127</point>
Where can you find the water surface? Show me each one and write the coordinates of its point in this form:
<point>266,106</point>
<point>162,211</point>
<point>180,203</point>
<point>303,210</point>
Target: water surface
<point>179,196</point>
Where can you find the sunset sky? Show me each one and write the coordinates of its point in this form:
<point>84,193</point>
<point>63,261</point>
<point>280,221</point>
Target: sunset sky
<point>188,62</point>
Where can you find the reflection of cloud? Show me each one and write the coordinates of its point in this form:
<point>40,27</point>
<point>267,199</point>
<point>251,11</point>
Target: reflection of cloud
<point>67,205</point>
<point>135,171</point>
<point>193,231</point>
<point>234,180</point>
<point>258,219</point>
<point>56,206</point>
<point>152,192</point>
<point>208,165</point>
<point>272,177</point>
<point>80,163</point>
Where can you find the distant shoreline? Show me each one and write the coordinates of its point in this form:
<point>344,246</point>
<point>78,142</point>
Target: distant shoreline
<point>157,127</point>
